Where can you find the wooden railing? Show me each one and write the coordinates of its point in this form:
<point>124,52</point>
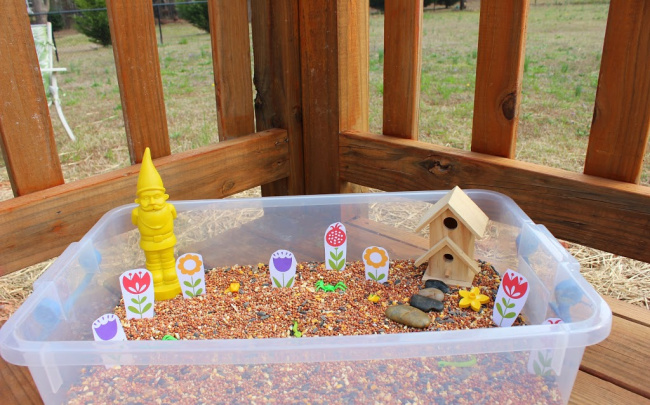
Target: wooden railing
<point>311,114</point>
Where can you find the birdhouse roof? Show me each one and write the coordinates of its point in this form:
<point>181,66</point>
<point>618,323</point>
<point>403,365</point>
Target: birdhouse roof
<point>447,242</point>
<point>462,207</point>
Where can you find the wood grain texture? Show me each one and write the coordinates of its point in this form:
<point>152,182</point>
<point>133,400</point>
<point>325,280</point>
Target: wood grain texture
<point>499,72</point>
<point>17,385</point>
<point>601,213</point>
<point>231,59</point>
<point>40,225</point>
<point>591,390</point>
<point>138,73</point>
<point>620,358</point>
<point>621,122</point>
<point>278,103</point>
<point>632,313</point>
<point>320,102</point>
<point>402,60</point>
<point>354,65</point>
<point>26,132</point>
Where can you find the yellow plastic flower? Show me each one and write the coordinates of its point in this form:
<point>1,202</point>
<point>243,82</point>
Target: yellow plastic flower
<point>473,298</point>
<point>371,256</point>
<point>189,265</point>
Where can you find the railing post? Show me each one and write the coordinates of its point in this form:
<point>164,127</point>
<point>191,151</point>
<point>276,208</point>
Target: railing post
<point>499,72</point>
<point>25,128</point>
<point>231,59</point>
<point>621,122</point>
<point>402,66</point>
<point>135,48</point>
<point>278,104</point>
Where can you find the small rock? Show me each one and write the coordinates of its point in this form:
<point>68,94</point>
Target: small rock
<point>437,284</point>
<point>408,315</point>
<point>433,293</point>
<point>426,304</point>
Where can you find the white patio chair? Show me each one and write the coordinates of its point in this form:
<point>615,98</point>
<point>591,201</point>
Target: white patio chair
<point>45,49</point>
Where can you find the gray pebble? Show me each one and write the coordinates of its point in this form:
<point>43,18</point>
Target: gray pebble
<point>426,304</point>
<point>437,284</point>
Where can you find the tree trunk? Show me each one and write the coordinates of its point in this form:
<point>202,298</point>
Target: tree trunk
<point>41,6</point>
<point>463,6</point>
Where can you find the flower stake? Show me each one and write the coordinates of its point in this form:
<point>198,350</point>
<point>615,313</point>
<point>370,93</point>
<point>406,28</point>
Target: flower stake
<point>510,298</point>
<point>137,290</point>
<point>376,263</point>
<point>282,268</point>
<point>540,362</point>
<point>191,274</point>
<point>108,328</point>
<point>336,245</point>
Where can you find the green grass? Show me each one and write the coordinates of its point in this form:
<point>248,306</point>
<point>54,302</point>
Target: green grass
<point>563,51</point>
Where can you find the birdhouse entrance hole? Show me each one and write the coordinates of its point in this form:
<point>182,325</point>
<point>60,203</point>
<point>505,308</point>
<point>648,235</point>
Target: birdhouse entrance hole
<point>448,258</point>
<point>450,223</point>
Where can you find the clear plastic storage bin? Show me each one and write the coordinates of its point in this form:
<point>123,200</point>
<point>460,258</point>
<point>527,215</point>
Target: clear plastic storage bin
<point>51,332</point>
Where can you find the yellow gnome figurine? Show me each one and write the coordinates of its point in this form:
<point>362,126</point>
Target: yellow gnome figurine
<point>154,218</point>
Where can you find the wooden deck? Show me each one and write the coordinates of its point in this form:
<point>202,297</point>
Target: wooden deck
<point>612,372</point>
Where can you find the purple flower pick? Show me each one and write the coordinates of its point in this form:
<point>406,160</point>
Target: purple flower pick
<point>282,264</point>
<point>106,331</point>
<point>108,328</point>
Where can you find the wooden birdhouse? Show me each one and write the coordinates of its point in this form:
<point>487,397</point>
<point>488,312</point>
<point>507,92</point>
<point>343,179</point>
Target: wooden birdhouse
<point>455,221</point>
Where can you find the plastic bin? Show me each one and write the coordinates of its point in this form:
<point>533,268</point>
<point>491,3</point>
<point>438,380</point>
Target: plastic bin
<point>51,332</point>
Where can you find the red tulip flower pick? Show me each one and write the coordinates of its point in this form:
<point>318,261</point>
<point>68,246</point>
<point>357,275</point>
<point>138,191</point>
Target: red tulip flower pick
<point>540,362</point>
<point>510,298</point>
<point>137,290</point>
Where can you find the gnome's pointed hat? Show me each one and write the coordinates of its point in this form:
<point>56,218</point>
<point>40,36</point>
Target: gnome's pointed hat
<point>149,179</point>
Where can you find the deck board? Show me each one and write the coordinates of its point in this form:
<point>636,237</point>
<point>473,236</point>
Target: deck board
<point>590,390</point>
<point>621,358</point>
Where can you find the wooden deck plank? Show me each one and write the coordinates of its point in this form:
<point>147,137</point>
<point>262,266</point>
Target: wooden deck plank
<point>26,134</point>
<point>17,385</point>
<point>632,313</point>
<point>621,357</point>
<point>135,49</point>
<point>575,207</point>
<point>591,390</point>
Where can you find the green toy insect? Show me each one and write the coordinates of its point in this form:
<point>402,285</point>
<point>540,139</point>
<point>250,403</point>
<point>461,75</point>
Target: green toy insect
<point>320,284</point>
